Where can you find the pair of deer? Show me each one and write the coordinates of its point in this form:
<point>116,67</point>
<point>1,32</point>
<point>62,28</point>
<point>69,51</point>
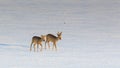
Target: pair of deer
<point>36,40</point>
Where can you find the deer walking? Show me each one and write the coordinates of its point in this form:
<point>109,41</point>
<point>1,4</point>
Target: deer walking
<point>36,40</point>
<point>53,39</point>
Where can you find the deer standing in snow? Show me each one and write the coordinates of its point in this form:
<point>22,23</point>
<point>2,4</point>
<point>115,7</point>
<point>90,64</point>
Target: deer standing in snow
<point>36,40</point>
<point>53,39</point>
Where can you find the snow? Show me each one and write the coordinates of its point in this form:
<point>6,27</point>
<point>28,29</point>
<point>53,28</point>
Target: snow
<point>90,38</point>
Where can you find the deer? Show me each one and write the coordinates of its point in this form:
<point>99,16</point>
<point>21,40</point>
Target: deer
<point>52,38</point>
<point>36,40</point>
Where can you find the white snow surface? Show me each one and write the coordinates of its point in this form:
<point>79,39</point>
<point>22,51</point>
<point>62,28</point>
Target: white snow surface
<point>90,33</point>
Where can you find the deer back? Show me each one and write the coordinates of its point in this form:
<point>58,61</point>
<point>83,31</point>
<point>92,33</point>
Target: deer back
<point>51,38</point>
<point>36,39</point>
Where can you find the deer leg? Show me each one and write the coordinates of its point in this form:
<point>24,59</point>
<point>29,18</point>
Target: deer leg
<point>55,47</point>
<point>37,47</point>
<point>45,44</point>
<point>41,47</point>
<point>49,45</point>
<point>31,46</point>
<point>34,47</point>
<point>54,44</point>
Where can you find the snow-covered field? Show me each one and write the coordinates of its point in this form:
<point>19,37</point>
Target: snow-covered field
<point>90,39</point>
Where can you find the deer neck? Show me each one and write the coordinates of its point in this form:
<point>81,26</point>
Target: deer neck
<point>57,38</point>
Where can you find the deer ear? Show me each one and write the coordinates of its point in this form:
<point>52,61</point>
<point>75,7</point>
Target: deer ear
<point>57,32</point>
<point>60,32</point>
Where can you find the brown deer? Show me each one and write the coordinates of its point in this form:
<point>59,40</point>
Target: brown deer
<point>36,40</point>
<point>53,39</point>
